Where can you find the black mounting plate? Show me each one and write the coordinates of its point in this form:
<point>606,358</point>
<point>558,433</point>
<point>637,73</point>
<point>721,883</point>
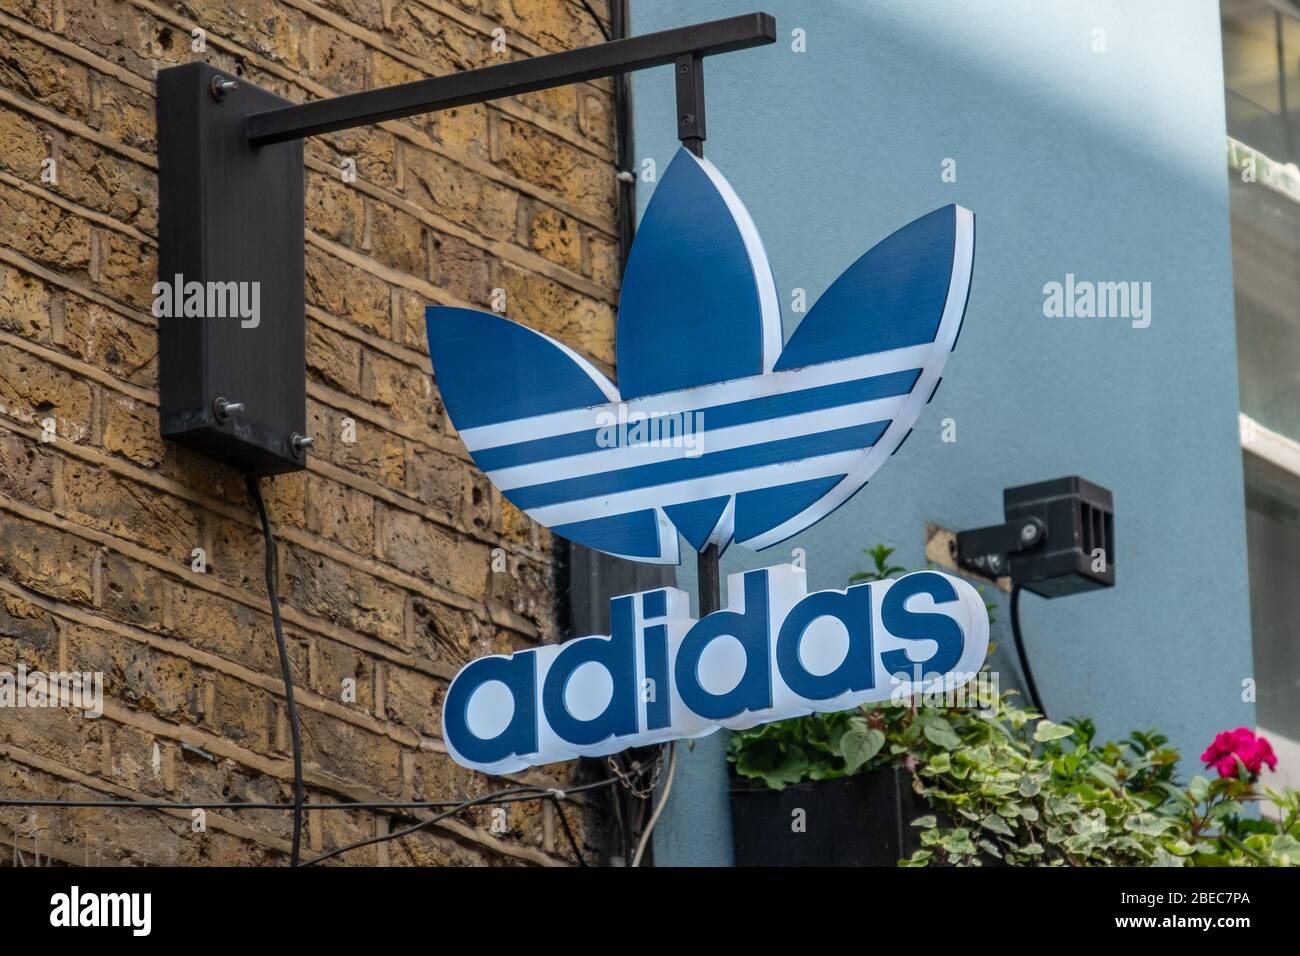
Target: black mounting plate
<point>230,212</point>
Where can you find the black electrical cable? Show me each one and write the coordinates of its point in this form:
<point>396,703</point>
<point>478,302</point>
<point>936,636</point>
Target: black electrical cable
<point>295,733</point>
<point>464,805</point>
<point>624,141</point>
<point>510,795</point>
<point>172,805</point>
<point>411,829</point>
<point>564,822</point>
<point>1030,688</point>
<point>600,24</point>
<point>490,798</point>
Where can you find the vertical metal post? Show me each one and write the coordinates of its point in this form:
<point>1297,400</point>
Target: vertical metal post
<point>691,131</point>
<point>710,582</point>
<point>690,102</point>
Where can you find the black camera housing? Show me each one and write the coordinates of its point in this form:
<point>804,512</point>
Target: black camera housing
<point>1078,552</point>
<point>1058,539</point>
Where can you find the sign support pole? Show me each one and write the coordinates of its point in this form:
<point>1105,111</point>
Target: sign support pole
<point>689,69</point>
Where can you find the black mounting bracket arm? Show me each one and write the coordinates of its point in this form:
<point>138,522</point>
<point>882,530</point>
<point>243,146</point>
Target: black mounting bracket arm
<point>231,327</point>
<point>986,549</point>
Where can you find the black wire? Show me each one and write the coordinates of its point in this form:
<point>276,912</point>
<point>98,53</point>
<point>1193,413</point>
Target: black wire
<point>1030,688</point>
<point>625,147</point>
<point>411,829</point>
<point>501,796</point>
<point>599,23</point>
<point>490,798</point>
<point>169,805</point>
<point>295,734</point>
<point>564,821</point>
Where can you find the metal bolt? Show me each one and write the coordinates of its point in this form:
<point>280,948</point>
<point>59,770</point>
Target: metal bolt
<point>221,86</point>
<point>224,409</point>
<point>1029,532</point>
<point>300,443</point>
<point>625,176</point>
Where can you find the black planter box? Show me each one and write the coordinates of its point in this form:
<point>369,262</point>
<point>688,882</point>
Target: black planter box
<point>862,820</point>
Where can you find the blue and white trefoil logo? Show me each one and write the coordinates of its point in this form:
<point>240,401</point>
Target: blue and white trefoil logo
<point>714,429</point>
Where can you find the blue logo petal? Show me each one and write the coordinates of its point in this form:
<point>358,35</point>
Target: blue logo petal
<point>698,303</point>
<point>713,431</point>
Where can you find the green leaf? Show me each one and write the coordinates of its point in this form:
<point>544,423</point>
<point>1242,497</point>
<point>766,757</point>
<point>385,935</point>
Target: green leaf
<point>773,762</point>
<point>1199,789</point>
<point>927,821</point>
<point>996,824</point>
<point>858,746</point>
<point>939,763</point>
<point>1080,843</point>
<point>1046,730</point>
<point>1148,824</point>
<point>942,737</point>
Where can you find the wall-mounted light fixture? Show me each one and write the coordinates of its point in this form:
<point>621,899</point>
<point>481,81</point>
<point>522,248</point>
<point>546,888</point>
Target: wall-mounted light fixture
<point>1058,539</point>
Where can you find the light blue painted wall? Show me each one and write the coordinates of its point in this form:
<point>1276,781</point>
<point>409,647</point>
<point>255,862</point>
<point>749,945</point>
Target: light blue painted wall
<point>1108,165</point>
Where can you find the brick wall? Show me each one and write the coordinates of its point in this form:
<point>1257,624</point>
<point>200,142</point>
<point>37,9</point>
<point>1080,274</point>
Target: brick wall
<point>386,541</point>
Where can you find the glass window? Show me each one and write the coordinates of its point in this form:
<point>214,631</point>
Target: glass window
<point>1266,278</point>
<point>1261,68</point>
<point>1273,530</point>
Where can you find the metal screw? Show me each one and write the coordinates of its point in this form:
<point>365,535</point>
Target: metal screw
<point>300,443</point>
<point>224,409</point>
<point>221,86</point>
<point>1029,532</point>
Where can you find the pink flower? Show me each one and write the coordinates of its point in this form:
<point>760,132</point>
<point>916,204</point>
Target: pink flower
<point>1241,743</point>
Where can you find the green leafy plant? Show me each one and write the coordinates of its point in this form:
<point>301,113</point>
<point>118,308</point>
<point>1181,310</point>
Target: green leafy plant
<point>1006,786</point>
<point>802,748</point>
<point>883,569</point>
<point>1028,791</point>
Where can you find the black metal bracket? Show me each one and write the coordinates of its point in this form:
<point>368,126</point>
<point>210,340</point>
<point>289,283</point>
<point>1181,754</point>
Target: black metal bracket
<point>230,170</point>
<point>985,550</point>
<point>511,79</point>
<point>690,102</point>
<point>229,218</point>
